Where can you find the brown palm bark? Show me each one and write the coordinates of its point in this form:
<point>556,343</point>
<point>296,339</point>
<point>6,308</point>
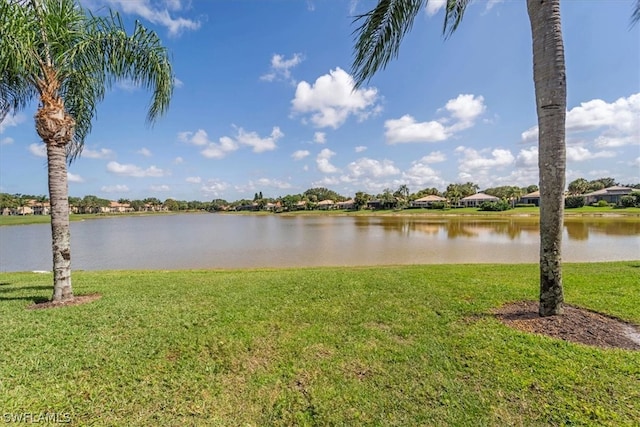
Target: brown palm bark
<point>56,128</point>
<point>551,101</point>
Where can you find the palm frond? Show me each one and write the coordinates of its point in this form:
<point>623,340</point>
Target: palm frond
<point>453,16</point>
<point>18,59</point>
<point>379,35</point>
<point>105,55</point>
<point>635,16</point>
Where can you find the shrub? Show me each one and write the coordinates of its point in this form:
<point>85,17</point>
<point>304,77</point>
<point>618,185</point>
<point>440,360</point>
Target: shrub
<point>438,205</point>
<point>602,203</point>
<point>526,205</point>
<point>628,201</point>
<point>495,206</point>
<point>572,202</point>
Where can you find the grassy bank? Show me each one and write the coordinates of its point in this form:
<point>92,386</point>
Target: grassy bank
<point>410,345</point>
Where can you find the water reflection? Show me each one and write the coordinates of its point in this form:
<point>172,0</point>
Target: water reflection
<point>234,241</point>
<point>513,228</point>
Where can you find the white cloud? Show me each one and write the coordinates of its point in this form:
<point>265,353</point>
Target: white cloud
<point>406,129</point>
<point>198,137</point>
<point>618,122</point>
<point>145,152</point>
<point>581,154</point>
<point>463,113</point>
<point>528,158</point>
<point>226,144</point>
<point>127,85</point>
<point>616,141</point>
<point>72,177</point>
<point>322,160</point>
<point>221,149</point>
<point>194,179</point>
<point>474,163</point>
<point>465,109</point>
<point>332,99</point>
<point>11,120</point>
<point>636,162</point>
<point>360,149</point>
<point>433,6</point>
<point>421,175</point>
<point>214,188</point>
<point>280,68</point>
<point>300,154</point>
<point>260,144</point>
<point>491,4</point>
<point>434,157</point>
<point>115,189</point>
<point>177,83</point>
<point>371,168</point>
<point>38,150</point>
<point>320,137</point>
<point>133,170</point>
<point>6,141</point>
<point>160,188</point>
<point>155,14</point>
<point>178,160</point>
<point>267,182</point>
<point>103,153</point>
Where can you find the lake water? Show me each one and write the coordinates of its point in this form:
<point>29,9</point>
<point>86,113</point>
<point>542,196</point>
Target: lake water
<point>213,241</point>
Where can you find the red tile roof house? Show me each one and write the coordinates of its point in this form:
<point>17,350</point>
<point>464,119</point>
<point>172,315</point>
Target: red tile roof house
<point>611,195</point>
<point>427,201</point>
<point>475,200</point>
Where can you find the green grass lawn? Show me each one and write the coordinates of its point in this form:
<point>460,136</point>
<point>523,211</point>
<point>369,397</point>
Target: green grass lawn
<point>406,345</point>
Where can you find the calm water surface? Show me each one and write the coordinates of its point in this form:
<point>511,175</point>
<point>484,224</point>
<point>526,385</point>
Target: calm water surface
<point>236,241</point>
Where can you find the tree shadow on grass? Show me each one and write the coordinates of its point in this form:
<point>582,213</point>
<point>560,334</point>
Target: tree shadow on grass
<point>5,293</point>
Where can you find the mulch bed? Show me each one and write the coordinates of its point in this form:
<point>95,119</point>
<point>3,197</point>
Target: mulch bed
<point>575,324</point>
<point>77,300</point>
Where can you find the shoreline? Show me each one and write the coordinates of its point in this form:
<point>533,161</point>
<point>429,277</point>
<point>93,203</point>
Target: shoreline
<point>466,213</point>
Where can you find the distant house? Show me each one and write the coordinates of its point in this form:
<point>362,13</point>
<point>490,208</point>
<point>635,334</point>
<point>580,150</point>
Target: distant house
<point>273,207</point>
<point>427,201</point>
<point>347,204</point>
<point>475,200</point>
<point>115,207</point>
<point>610,195</point>
<point>326,204</point>
<point>374,204</point>
<point>531,198</point>
<point>301,205</point>
<point>248,207</point>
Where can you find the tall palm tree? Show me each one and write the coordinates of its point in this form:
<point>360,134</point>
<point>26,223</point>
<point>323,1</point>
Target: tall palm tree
<point>55,52</point>
<point>378,39</point>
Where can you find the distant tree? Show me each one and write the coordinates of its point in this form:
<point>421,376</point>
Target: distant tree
<point>124,201</point>
<point>578,186</point>
<point>137,205</point>
<point>171,205</point>
<point>607,182</point>
<point>595,185</point>
<point>322,193</point>
<point>361,199</point>
<point>532,188</point>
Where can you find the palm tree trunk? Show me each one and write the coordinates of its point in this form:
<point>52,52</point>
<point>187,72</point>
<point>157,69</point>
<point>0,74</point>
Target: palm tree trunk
<point>56,128</point>
<point>60,235</point>
<point>551,102</point>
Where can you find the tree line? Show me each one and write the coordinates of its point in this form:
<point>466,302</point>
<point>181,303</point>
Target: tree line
<point>388,198</point>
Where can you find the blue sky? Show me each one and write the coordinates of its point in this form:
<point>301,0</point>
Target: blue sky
<point>264,103</point>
